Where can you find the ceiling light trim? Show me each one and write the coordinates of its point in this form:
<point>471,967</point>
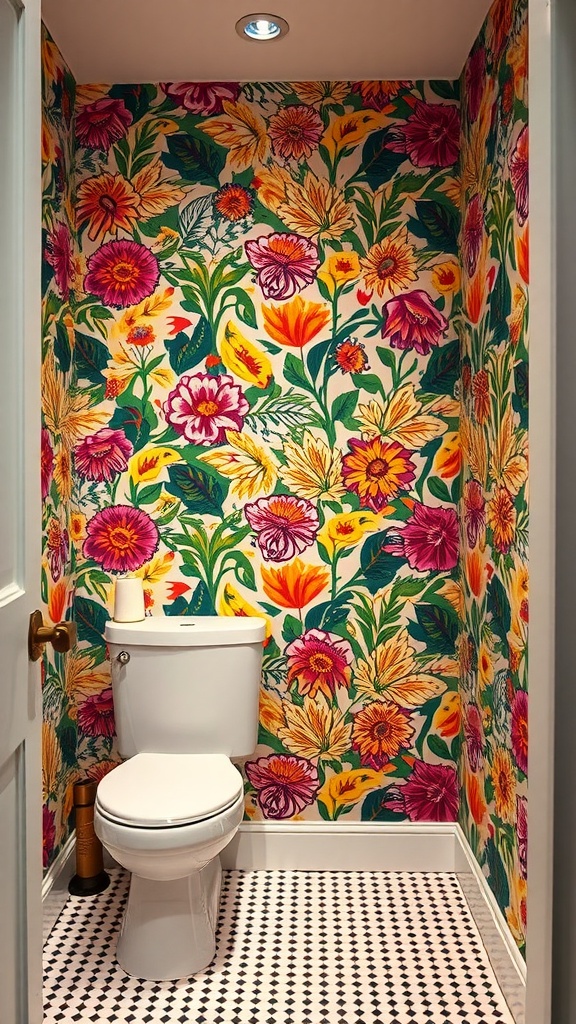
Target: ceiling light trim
<point>278,28</point>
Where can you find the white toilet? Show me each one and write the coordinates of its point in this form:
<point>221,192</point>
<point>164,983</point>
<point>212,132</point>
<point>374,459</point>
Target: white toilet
<point>186,703</point>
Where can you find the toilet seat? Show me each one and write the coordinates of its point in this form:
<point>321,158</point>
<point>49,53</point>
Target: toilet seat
<point>159,791</point>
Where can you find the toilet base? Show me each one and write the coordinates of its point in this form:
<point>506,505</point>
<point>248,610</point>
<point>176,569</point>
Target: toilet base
<point>169,928</point>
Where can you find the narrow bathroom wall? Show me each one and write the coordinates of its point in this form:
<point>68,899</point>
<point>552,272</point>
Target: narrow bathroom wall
<point>268,360</point>
<point>494,431</point>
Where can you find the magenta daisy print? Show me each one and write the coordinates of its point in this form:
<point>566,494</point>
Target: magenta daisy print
<point>101,123</point>
<point>284,784</point>
<point>122,273</point>
<point>103,455</point>
<point>284,263</point>
<point>121,538</point>
<point>285,525</point>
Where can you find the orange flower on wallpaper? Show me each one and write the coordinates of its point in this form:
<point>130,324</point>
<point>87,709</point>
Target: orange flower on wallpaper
<point>503,777</point>
<point>156,196</point>
<point>476,799</point>
<point>446,277</point>
<point>501,517</point>
<point>523,254</point>
<point>381,730</point>
<point>294,585</point>
<point>107,203</point>
<point>448,458</point>
<point>446,720</point>
<point>390,266</point>
<point>295,131</point>
<point>295,323</point>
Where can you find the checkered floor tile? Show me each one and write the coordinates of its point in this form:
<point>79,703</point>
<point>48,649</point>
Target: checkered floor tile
<point>294,947</point>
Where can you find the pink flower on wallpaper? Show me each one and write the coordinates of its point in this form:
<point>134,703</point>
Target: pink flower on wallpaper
<point>103,455</point>
<point>429,794</point>
<point>319,662</point>
<point>48,835</point>
<point>285,525</point>
<point>522,833</point>
<point>473,233</point>
<point>121,538</point>
<point>474,736</point>
<point>474,511</point>
<point>519,730</point>
<point>96,714</point>
<point>285,784</point>
<point>201,97</point>
<point>412,321</point>
<point>59,254</point>
<point>101,123</point>
<point>285,263</point>
<point>475,81</point>
<point>519,174</point>
<point>431,135</point>
<point>46,462</point>
<point>430,538</point>
<point>202,408</point>
<point>122,273</point>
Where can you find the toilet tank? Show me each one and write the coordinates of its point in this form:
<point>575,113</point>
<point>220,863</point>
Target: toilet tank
<point>186,684</point>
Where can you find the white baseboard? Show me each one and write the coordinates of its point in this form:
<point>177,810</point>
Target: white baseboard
<point>467,865</point>
<point>331,846</point>
<point>61,869</point>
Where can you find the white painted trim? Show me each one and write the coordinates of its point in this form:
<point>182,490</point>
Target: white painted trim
<point>466,863</point>
<point>334,846</point>
<point>61,870</point>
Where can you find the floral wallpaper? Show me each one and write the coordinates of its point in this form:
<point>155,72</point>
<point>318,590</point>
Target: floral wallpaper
<point>494,433</point>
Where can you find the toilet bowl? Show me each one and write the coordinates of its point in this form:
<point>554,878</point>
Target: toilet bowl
<point>165,818</point>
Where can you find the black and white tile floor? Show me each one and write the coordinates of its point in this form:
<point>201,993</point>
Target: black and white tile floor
<point>294,947</point>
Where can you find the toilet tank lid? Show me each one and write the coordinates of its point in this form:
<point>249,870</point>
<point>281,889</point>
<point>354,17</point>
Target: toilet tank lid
<point>188,631</point>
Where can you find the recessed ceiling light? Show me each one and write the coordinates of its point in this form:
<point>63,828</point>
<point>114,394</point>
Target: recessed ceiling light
<point>261,28</point>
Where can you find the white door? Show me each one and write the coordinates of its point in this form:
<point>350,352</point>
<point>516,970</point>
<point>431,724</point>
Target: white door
<point>20,703</point>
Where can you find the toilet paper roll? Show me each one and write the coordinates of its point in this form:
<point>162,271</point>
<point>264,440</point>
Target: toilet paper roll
<point>129,600</point>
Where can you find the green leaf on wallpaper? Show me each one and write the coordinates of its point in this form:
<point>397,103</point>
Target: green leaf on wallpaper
<point>294,372</point>
<point>245,309</point>
<point>379,566</point>
<point>149,494</point>
<point>344,405</point>
<point>368,382</point>
<point>196,219</point>
<point>292,628</point>
<point>91,618</point>
<point>90,358</point>
<point>66,736</point>
<point>136,98</point>
<point>130,419</point>
<point>439,747</point>
<point>442,370</point>
<point>316,356</point>
<point>379,163</point>
<point>62,349</point>
<point>498,606</point>
<point>386,356</point>
<point>437,628</point>
<point>447,90</point>
<point>374,807</point>
<point>243,569</point>
<point>497,875</point>
<point>438,489</point>
<point>200,492</point>
<point>199,604</point>
<point>185,352</point>
<point>195,158</point>
<point>438,223</point>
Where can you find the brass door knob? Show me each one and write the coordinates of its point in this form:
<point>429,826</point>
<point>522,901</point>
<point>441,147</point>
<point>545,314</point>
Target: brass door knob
<point>62,636</point>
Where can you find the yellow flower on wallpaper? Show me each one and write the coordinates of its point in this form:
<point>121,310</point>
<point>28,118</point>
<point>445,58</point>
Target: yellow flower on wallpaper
<point>503,777</point>
<point>446,277</point>
<point>242,132</point>
<point>294,585</point>
<point>270,184</point>
<point>315,730</point>
<point>315,208</point>
<point>339,269</point>
<point>401,419</point>
<point>390,266</point>
<point>243,358</point>
<point>149,463</point>
<point>252,468</point>
<point>448,459</point>
<point>474,449</point>
<point>390,673</point>
<point>63,473</point>
<point>233,603</point>
<point>77,526</point>
<point>270,712</point>
<point>349,129</point>
<point>516,318</point>
<point>347,529</point>
<point>83,677</point>
<point>321,92</point>
<point>313,469</point>
<point>348,787</point>
<point>51,759</point>
<point>155,196</point>
<point>155,570</point>
<point>509,454</point>
<point>295,323</point>
<point>446,719</point>
<point>68,412</point>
